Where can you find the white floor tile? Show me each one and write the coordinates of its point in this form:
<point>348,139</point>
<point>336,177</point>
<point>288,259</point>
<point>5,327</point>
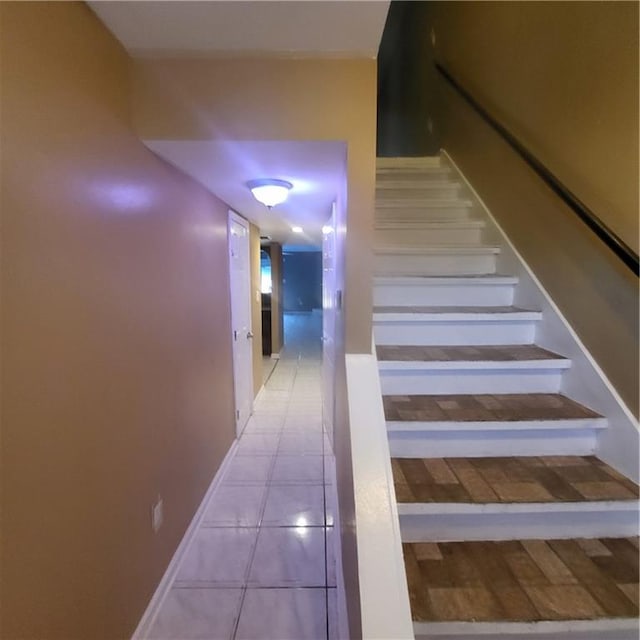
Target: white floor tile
<point>331,556</point>
<point>289,557</point>
<point>300,443</point>
<point>264,424</point>
<point>197,614</point>
<point>329,469</point>
<point>331,506</point>
<point>332,614</point>
<point>248,469</point>
<point>297,470</point>
<point>235,506</point>
<point>217,557</point>
<point>258,444</point>
<point>283,614</point>
<point>294,506</point>
<point>302,424</point>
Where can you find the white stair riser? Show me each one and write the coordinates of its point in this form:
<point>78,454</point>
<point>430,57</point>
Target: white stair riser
<point>408,162</point>
<point>541,525</point>
<point>454,333</point>
<point>413,176</point>
<point>442,295</point>
<point>475,381</point>
<point>479,444</point>
<point>413,192</point>
<point>422,213</point>
<point>421,237</point>
<point>434,265</point>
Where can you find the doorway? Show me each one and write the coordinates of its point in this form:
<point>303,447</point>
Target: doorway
<point>241,334</point>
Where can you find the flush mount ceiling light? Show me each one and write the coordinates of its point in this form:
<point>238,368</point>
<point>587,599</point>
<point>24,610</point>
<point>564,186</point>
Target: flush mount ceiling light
<point>270,192</point>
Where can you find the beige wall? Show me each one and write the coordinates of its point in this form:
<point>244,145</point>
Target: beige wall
<point>563,77</point>
<point>278,99</point>
<point>116,358</point>
<point>256,308</point>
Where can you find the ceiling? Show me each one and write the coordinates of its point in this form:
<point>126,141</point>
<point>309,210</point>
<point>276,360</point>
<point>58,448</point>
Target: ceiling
<point>316,170</point>
<point>294,27</point>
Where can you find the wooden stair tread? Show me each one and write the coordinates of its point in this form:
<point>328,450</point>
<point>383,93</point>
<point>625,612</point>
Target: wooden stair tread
<point>523,580</point>
<point>509,480</point>
<point>508,407</point>
<point>456,353</point>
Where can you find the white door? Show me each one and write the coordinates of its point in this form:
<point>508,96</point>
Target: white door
<point>240,276</point>
<point>328,322</point>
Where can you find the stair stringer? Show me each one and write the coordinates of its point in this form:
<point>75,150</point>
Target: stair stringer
<point>585,381</point>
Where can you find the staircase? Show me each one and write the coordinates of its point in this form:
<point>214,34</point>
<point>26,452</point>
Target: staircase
<point>511,526</point>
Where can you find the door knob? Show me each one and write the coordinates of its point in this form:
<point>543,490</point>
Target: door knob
<point>249,335</point>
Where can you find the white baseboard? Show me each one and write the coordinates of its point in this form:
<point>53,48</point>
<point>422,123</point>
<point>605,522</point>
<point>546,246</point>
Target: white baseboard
<point>585,382</point>
<point>275,356</point>
<point>149,616</point>
<point>611,629</point>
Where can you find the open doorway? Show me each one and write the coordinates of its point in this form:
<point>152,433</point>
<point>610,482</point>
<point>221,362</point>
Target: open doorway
<point>269,356</point>
<point>302,299</point>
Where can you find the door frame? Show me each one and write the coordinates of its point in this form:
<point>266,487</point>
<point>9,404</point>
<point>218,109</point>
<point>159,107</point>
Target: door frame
<point>240,419</point>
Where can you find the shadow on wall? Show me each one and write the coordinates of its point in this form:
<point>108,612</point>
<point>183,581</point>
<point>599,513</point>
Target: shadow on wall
<point>302,280</point>
<point>407,109</point>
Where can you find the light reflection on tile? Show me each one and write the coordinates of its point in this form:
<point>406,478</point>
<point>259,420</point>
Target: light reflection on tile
<point>283,614</point>
<point>289,557</point>
<point>287,548</point>
<point>294,506</point>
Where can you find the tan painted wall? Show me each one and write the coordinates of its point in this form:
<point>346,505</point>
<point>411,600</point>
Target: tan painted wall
<point>116,362</point>
<point>256,308</point>
<point>278,99</point>
<point>277,317</point>
<point>564,78</point>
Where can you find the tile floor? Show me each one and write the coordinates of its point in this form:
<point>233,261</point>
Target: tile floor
<point>262,562</point>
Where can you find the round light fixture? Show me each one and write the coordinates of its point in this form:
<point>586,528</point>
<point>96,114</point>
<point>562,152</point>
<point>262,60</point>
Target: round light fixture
<point>269,191</point>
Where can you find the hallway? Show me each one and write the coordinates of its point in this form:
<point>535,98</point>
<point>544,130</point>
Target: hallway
<point>261,564</point>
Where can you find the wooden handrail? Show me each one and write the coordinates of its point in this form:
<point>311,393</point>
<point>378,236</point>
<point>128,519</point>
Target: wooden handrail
<point>593,221</point>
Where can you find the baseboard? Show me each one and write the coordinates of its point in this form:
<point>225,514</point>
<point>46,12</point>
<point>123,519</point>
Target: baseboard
<point>585,382</point>
<point>149,616</point>
<point>341,608</point>
<point>275,356</point>
<point>607,629</point>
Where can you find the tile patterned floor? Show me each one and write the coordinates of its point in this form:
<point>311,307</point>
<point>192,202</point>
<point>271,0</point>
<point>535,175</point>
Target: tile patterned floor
<point>496,407</point>
<point>523,580</point>
<point>509,480</point>
<point>262,562</point>
<point>507,353</point>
